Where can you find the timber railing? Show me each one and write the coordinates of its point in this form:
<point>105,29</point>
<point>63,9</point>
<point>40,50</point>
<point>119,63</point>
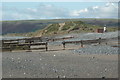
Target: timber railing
<point>63,38</point>
<point>23,43</point>
<point>37,41</point>
<point>82,42</point>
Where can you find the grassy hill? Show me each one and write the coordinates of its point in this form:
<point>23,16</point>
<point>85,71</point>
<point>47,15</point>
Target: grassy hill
<point>71,27</point>
<point>56,26</point>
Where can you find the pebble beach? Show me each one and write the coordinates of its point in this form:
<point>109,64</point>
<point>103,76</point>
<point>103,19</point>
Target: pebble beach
<point>90,61</point>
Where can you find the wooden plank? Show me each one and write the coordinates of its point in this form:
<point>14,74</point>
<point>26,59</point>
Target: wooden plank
<point>90,41</point>
<point>72,42</point>
<point>85,41</point>
<point>38,48</point>
<point>12,46</point>
<point>10,43</point>
<point>64,38</point>
<point>82,42</point>
<point>27,44</point>
<point>32,38</point>
<point>46,46</point>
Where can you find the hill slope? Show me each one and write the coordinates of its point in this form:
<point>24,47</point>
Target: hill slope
<point>26,26</point>
<point>68,27</point>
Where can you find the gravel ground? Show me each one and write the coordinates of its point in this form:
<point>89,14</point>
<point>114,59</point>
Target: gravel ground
<point>55,64</point>
<point>86,36</point>
<point>104,49</point>
<point>91,61</point>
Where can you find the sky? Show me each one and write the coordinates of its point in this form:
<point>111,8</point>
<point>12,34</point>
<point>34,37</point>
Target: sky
<point>57,10</point>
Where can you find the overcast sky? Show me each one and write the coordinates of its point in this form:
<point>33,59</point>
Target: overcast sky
<point>58,10</point>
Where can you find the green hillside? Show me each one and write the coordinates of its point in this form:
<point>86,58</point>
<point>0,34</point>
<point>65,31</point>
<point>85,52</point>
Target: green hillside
<point>55,26</point>
<point>68,27</point>
<point>26,26</point>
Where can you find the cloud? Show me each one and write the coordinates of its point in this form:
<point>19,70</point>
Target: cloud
<point>48,11</point>
<point>110,10</point>
<point>43,11</point>
<point>78,12</point>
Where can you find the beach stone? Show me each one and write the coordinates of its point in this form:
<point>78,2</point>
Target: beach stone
<point>10,75</point>
<point>63,70</point>
<point>103,77</point>
<point>64,76</point>
<point>25,60</point>
<point>30,60</point>
<point>93,57</point>
<point>24,73</point>
<point>58,76</point>
<point>106,69</point>
<point>19,62</point>
<point>18,58</point>
<point>13,61</point>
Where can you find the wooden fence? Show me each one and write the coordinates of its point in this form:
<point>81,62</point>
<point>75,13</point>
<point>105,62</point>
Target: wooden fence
<point>82,42</point>
<point>37,41</point>
<point>22,43</point>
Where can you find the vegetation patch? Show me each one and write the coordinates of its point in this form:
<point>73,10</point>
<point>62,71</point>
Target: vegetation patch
<point>53,28</point>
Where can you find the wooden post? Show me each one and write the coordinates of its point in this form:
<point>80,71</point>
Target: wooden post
<point>46,45</point>
<point>11,47</point>
<point>106,43</point>
<point>99,40</point>
<point>17,41</point>
<point>63,45</point>
<point>52,40</point>
<point>81,43</point>
<point>29,45</point>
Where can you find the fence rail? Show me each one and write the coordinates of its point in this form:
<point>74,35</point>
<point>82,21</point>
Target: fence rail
<point>22,43</point>
<point>37,41</point>
<point>82,42</point>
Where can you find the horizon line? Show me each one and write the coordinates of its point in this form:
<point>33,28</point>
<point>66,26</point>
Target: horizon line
<point>59,19</point>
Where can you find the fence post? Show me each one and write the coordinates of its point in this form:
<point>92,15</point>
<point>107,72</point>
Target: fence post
<point>53,40</point>
<point>46,45</point>
<point>63,45</point>
<point>11,48</point>
<point>106,43</point>
<point>99,40</point>
<point>29,46</point>
<point>81,43</point>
